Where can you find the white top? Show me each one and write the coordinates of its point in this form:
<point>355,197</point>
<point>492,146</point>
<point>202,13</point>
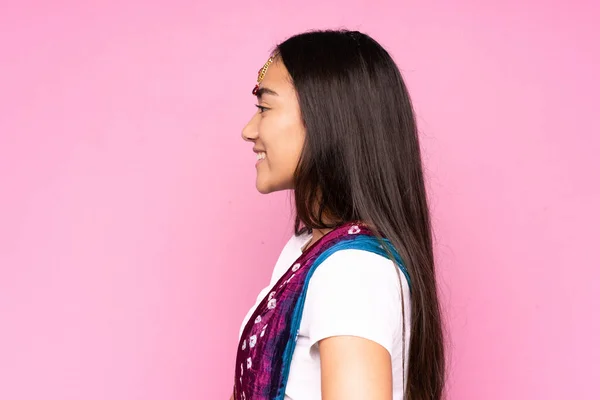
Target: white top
<point>352,293</point>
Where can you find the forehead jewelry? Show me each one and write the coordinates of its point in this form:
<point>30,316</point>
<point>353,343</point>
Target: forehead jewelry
<point>261,74</point>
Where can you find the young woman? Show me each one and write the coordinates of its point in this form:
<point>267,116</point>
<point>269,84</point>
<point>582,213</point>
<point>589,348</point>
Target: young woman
<point>351,311</point>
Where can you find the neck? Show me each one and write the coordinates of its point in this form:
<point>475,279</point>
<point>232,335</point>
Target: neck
<point>319,233</point>
<point>316,235</point>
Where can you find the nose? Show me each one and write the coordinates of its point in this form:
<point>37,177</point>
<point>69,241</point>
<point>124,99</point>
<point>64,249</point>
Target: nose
<point>250,131</point>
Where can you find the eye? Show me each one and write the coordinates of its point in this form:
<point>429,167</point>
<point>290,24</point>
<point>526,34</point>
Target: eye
<point>261,109</point>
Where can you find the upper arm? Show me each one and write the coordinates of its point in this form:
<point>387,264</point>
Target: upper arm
<point>354,368</point>
<point>353,310</point>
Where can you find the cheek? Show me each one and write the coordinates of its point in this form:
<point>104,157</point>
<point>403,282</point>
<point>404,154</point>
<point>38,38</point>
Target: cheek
<point>291,150</point>
<point>283,157</point>
<point>283,139</point>
<point>282,134</point>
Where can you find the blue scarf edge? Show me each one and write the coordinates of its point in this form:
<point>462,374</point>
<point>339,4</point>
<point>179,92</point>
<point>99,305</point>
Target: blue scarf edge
<point>359,242</point>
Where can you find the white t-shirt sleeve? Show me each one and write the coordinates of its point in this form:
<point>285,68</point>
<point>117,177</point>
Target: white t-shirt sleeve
<point>354,293</point>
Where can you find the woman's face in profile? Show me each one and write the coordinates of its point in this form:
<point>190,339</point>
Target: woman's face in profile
<point>276,130</point>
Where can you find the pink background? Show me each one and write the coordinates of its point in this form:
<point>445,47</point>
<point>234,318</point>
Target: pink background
<point>132,241</point>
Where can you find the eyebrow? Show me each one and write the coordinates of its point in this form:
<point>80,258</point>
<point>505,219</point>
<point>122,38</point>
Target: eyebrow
<point>263,90</point>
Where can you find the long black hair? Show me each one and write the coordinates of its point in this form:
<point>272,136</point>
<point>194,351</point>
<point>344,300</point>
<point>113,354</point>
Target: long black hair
<point>361,161</point>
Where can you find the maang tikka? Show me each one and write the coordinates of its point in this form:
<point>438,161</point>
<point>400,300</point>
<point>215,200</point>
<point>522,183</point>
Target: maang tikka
<point>261,75</point>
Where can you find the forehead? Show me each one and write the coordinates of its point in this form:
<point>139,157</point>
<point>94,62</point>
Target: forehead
<point>277,79</point>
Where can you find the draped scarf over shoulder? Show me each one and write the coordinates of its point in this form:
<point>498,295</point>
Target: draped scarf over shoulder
<point>269,338</point>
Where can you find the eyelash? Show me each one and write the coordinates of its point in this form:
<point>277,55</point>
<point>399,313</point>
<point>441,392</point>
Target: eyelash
<point>261,108</point>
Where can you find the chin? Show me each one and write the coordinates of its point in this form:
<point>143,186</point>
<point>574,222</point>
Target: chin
<point>263,190</point>
<point>264,187</point>
<point>267,187</point>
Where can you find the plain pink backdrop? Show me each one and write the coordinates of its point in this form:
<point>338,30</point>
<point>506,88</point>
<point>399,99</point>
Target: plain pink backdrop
<point>132,241</point>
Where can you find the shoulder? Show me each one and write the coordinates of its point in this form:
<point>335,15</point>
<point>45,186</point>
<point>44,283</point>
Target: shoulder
<point>355,293</point>
<point>363,268</point>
